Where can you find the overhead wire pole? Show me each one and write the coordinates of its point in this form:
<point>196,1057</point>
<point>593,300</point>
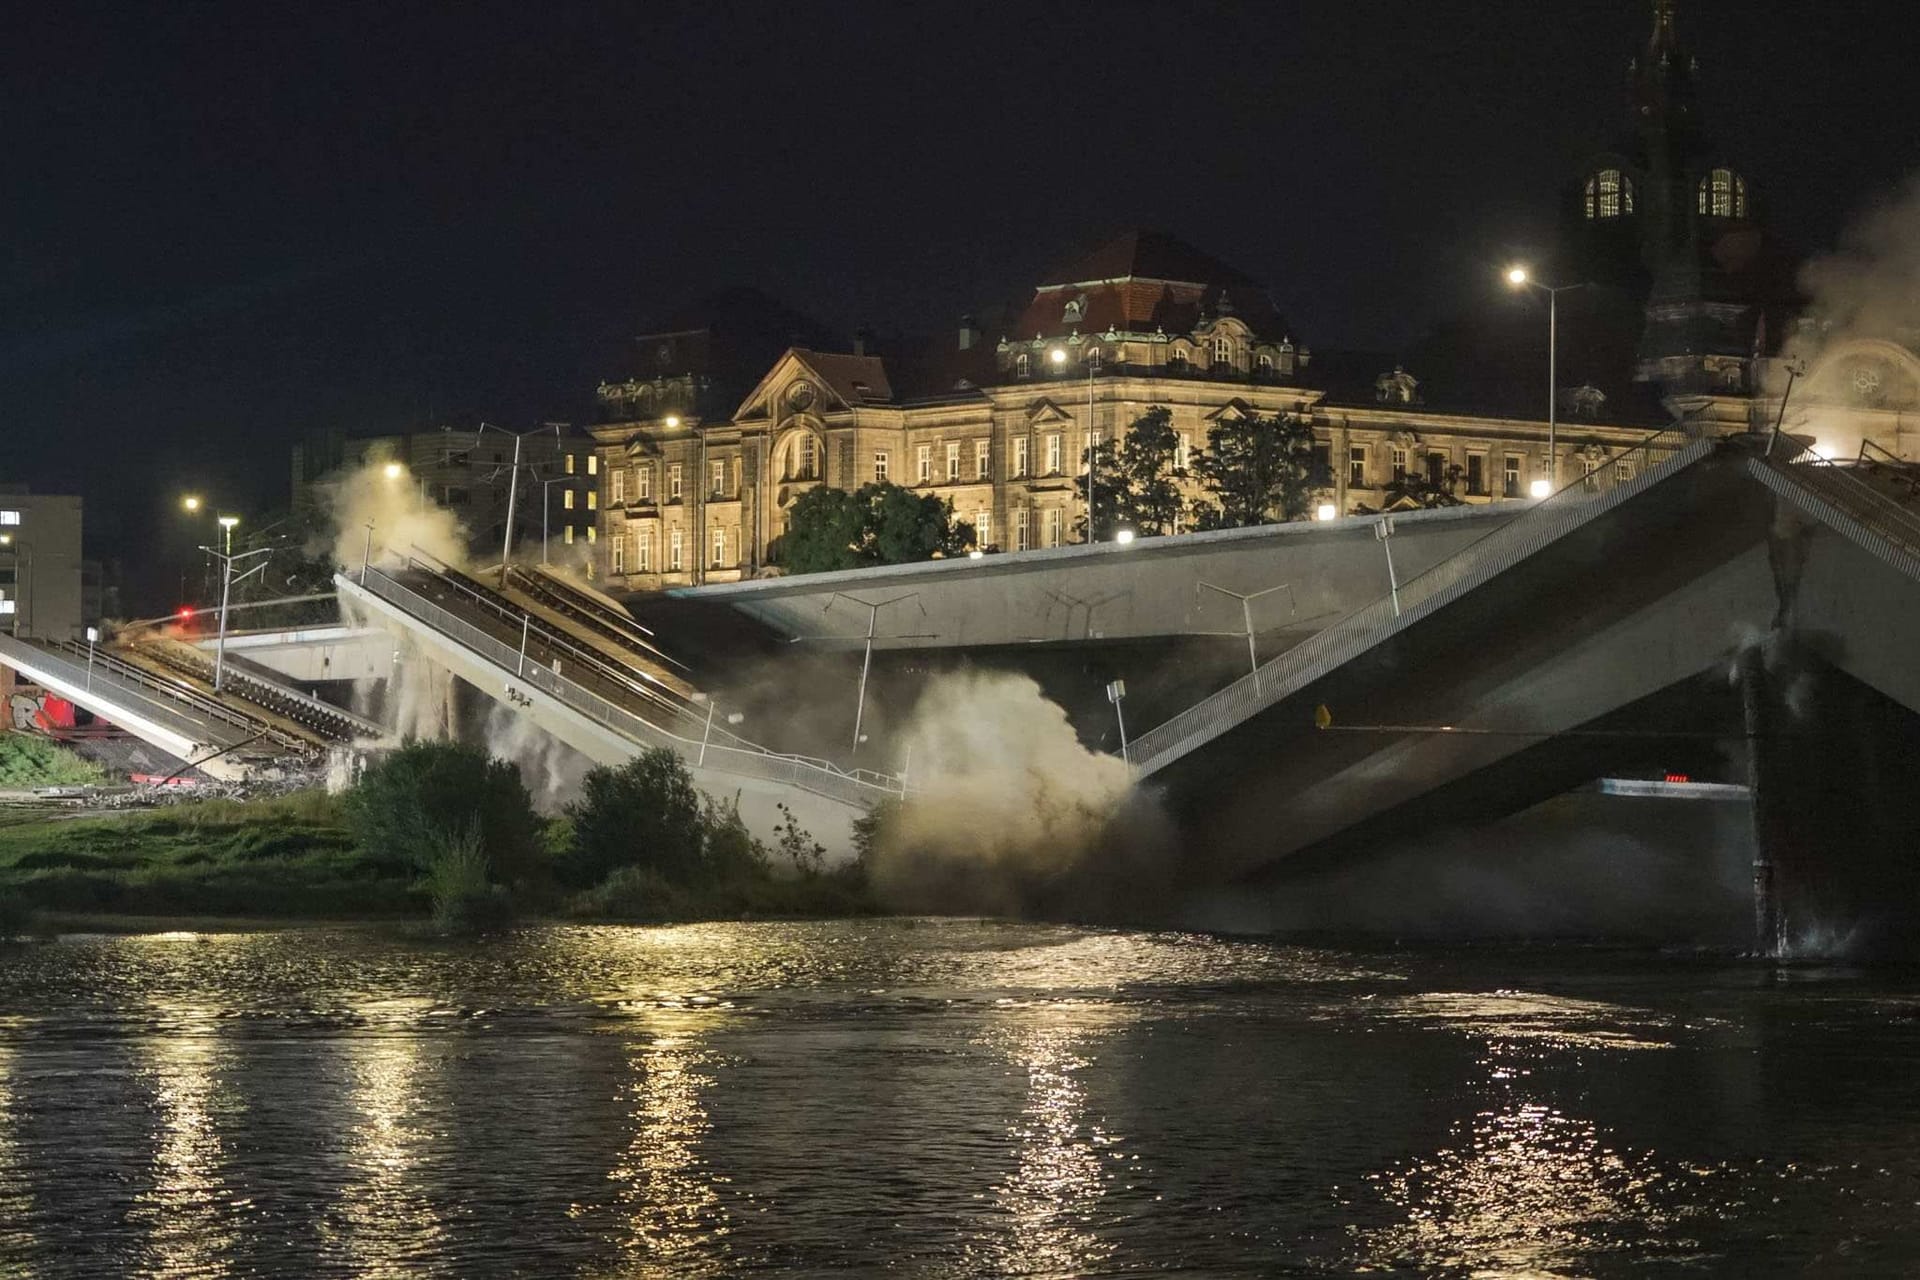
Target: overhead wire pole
<point>1246,600</point>
<point>873,609</point>
<point>513,484</point>
<point>227,562</point>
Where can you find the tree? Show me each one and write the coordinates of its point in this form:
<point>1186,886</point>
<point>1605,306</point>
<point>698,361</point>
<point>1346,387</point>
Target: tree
<point>1418,490</point>
<point>877,524</point>
<point>412,802</point>
<point>1136,482</point>
<point>1256,471</point>
<point>646,813</point>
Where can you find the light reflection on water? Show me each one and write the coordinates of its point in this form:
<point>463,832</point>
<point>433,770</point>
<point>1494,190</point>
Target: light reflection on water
<point>948,1099</point>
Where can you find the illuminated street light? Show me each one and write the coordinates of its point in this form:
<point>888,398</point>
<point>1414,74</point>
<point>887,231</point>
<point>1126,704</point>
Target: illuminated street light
<point>393,471</point>
<point>1520,278</point>
<point>1124,537</point>
<point>190,503</point>
<point>672,421</point>
<point>1326,511</point>
<point>1058,356</point>
<point>976,554</point>
<point>226,524</point>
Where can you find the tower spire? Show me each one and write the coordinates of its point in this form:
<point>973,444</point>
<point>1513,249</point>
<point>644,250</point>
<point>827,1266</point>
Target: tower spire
<point>1663,75</point>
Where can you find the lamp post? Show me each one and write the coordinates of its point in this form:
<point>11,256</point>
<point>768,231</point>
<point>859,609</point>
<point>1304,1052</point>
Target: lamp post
<point>1116,694</point>
<point>873,609</point>
<point>1058,357</point>
<point>227,560</point>
<point>1246,600</point>
<point>226,527</point>
<point>513,484</point>
<point>1519,278</point>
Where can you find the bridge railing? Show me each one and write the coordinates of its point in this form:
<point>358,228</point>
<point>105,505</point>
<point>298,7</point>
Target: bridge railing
<point>1838,483</point>
<point>1659,455</point>
<point>804,772</point>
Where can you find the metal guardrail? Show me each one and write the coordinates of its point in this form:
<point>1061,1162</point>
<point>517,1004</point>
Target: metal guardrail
<point>177,699</point>
<point>1659,456</point>
<point>1854,507</point>
<point>807,774</point>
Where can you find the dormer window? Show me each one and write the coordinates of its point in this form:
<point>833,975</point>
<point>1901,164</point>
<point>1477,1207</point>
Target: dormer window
<point>1093,357</point>
<point>1723,194</point>
<point>1076,310</point>
<point>1265,363</point>
<point>1021,365</point>
<point>1609,194</point>
<point>1223,350</point>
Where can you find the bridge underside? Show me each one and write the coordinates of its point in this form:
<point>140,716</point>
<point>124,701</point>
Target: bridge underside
<point>1720,623</point>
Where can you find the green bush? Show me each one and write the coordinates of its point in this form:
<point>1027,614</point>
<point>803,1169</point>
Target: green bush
<point>646,813</point>
<point>16,915</point>
<point>28,760</point>
<point>464,900</point>
<point>635,895</point>
<point>406,802</point>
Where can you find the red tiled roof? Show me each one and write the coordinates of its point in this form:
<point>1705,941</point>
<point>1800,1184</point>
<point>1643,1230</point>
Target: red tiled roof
<point>855,379</point>
<point>1149,255</point>
<point>1143,281</point>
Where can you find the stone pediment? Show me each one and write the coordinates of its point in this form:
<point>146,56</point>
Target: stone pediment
<point>1044,412</point>
<point>1234,408</point>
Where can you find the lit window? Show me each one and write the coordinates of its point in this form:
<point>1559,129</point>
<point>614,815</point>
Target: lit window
<point>673,483</point>
<point>593,499</point>
<point>1723,194</point>
<point>1053,454</point>
<point>880,466</point>
<point>1623,471</point>
<point>593,464</point>
<point>566,499</point>
<point>569,464</point>
<point>593,533</point>
<point>982,459</point>
<point>923,464</point>
<point>1609,194</point>
<point>953,461</point>
<point>569,535</point>
<point>9,517</point>
<point>6,606</point>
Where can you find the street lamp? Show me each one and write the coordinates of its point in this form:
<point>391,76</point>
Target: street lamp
<point>393,471</point>
<point>190,504</point>
<point>226,524</point>
<point>1124,537</point>
<point>1058,357</point>
<point>1326,511</point>
<point>1518,277</point>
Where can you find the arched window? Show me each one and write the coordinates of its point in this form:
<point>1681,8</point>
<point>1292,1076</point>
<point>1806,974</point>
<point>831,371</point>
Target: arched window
<point>1609,194</point>
<point>809,455</point>
<point>1021,365</point>
<point>1266,363</point>
<point>1222,350</point>
<point>1723,194</point>
<point>1093,357</point>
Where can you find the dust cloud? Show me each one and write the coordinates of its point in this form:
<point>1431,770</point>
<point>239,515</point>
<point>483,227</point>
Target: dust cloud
<point>1008,813</point>
<point>1870,286</point>
<point>402,519</point>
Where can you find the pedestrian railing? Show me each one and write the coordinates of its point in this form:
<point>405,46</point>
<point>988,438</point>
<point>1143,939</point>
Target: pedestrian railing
<point>728,755</point>
<point>1600,488</point>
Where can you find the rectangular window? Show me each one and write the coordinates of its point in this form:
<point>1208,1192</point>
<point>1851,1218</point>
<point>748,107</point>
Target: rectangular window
<point>1399,463</point>
<point>1322,464</point>
<point>673,483</point>
<point>880,466</point>
<point>736,475</point>
<point>1436,469</point>
<point>1053,454</point>
<point>719,476</point>
<point>9,517</point>
<point>643,552</point>
<point>719,548</point>
<point>6,605</point>
<point>1183,452</point>
<point>617,480</point>
<point>1623,471</point>
<point>566,499</point>
<point>1052,528</point>
<point>619,550</point>
<point>675,552</point>
<point>1020,457</point>
<point>953,462</point>
<point>593,533</point>
<point>569,464</point>
<point>982,459</point>
<point>1510,476</point>
<point>568,531</point>
<point>1019,517</point>
<point>982,527</point>
<point>923,464</point>
<point>593,464</point>
<point>1477,473</point>
<point>1357,467</point>
<point>643,482</point>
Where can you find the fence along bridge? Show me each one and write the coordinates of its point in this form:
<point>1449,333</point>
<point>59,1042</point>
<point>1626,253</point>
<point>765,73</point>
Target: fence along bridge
<point>1567,641</point>
<point>592,677</point>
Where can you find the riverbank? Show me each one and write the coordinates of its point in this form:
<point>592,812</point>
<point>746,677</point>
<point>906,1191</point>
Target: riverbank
<point>288,861</point>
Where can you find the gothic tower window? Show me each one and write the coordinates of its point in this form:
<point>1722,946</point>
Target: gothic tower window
<point>1609,194</point>
<point>1723,194</point>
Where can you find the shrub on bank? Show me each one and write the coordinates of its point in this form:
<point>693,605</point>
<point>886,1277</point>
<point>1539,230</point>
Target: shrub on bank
<point>464,899</point>
<point>646,813</point>
<point>408,801</point>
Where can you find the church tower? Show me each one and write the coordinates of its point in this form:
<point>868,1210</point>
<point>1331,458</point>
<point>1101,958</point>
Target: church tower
<point>1671,220</point>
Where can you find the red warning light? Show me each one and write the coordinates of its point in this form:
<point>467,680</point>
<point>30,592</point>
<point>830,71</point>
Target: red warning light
<point>184,612</point>
<point>1678,777</point>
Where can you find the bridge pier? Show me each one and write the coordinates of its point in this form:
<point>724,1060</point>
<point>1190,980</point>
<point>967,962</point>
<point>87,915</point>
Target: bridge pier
<point>1763,787</point>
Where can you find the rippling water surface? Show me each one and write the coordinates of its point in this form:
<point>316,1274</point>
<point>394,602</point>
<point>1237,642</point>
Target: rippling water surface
<point>943,1099</point>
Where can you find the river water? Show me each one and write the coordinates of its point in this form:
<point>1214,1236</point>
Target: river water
<point>944,1098</point>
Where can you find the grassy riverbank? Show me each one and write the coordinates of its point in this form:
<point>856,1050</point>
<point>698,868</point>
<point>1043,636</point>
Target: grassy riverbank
<point>295,859</point>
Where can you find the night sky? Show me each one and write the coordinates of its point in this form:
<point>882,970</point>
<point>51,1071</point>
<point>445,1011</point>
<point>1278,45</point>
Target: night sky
<point>229,224</point>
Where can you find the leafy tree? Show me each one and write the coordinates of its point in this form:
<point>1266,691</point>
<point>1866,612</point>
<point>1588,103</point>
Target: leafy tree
<point>877,524</point>
<point>411,802</point>
<point>646,813</point>
<point>1256,471</point>
<point>797,843</point>
<point>1422,491</point>
<point>1135,480</point>
<point>826,531</point>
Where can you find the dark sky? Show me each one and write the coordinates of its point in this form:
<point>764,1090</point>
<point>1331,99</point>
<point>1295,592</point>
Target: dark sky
<point>229,223</point>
